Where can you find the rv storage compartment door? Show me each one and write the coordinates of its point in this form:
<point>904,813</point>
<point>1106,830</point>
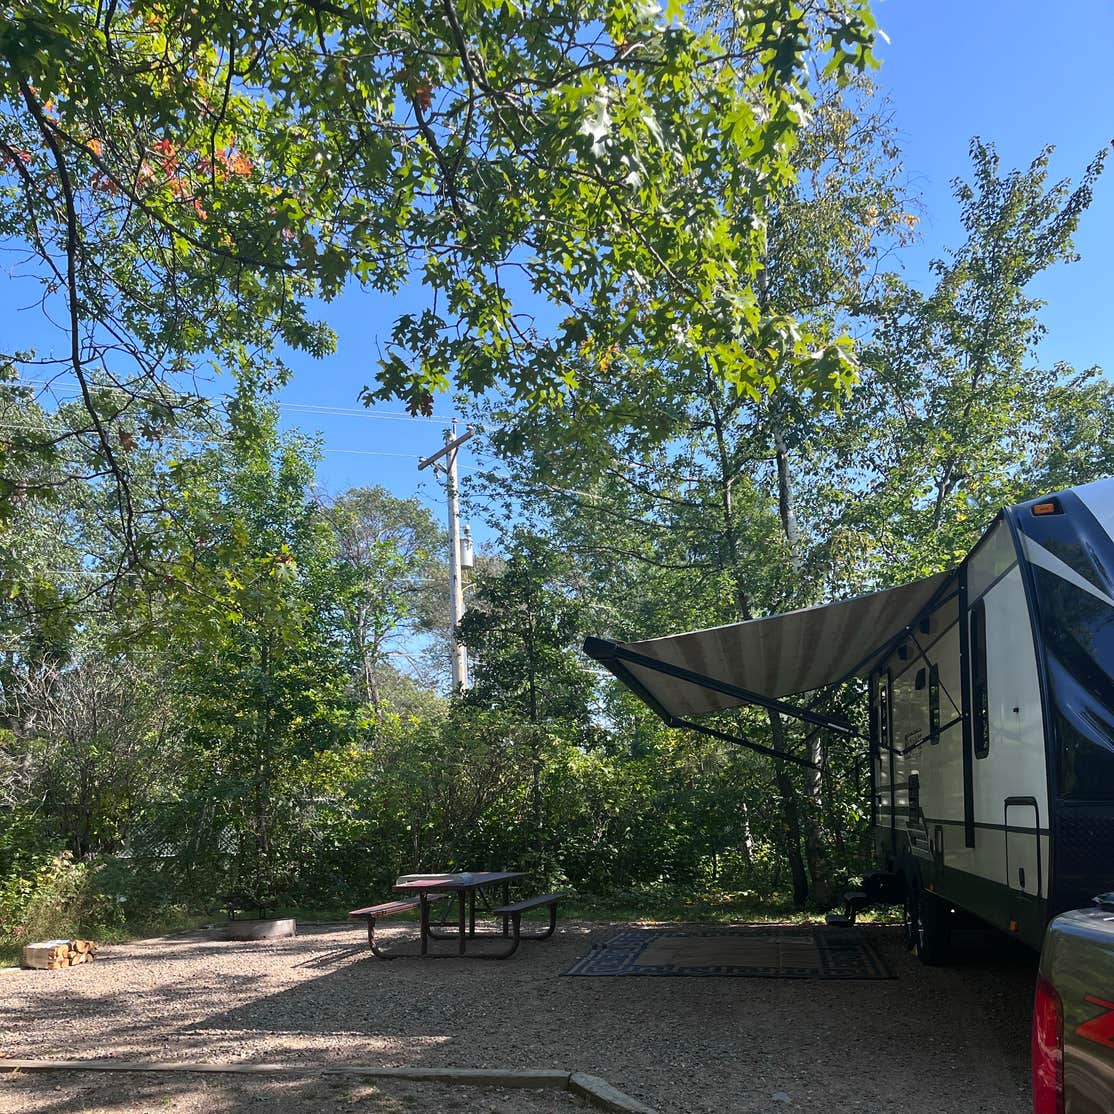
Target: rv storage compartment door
<point>1023,846</point>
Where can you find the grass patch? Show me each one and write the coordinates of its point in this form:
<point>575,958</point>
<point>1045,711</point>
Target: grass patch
<point>720,907</point>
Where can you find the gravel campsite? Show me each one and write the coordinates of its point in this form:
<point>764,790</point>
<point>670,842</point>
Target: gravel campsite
<point>950,1038</point>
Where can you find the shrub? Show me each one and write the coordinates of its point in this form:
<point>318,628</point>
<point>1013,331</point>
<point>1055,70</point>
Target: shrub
<point>50,896</point>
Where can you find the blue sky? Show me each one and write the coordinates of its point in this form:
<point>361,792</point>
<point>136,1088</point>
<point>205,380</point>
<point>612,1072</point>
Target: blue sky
<point>1021,74</point>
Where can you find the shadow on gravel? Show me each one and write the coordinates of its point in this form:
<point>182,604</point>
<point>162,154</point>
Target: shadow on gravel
<point>977,946</point>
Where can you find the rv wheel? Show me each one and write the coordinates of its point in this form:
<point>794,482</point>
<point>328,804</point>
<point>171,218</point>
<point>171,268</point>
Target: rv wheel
<point>934,928</point>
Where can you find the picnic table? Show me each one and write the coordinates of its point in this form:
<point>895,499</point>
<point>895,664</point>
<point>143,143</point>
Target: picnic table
<point>422,890</point>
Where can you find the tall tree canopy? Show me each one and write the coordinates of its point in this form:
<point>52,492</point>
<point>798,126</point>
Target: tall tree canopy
<point>389,546</point>
<point>188,176</point>
<point>710,506</point>
<point>957,415</point>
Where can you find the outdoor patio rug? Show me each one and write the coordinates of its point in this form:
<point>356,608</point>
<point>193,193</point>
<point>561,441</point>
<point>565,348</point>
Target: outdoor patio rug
<point>773,953</point>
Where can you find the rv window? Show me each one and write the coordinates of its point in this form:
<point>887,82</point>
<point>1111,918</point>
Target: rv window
<point>884,712</point>
<point>980,703</point>
<point>992,558</point>
<point>934,704</point>
<point>1078,633</point>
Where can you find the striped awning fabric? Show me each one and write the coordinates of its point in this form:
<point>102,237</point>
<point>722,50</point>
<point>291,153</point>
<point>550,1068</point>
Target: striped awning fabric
<point>796,652</point>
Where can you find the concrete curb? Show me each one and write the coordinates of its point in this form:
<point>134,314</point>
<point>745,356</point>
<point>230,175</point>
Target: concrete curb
<point>591,1088</point>
<point>269,928</point>
<point>601,1094</point>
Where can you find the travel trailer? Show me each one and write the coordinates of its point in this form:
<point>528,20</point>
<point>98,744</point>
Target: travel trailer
<point>991,712</point>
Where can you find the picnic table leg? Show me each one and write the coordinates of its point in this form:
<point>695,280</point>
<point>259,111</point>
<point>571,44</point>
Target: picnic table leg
<point>445,919</point>
<point>517,918</point>
<point>424,923</point>
<point>471,912</point>
<point>460,919</point>
<point>506,901</point>
<point>375,950</point>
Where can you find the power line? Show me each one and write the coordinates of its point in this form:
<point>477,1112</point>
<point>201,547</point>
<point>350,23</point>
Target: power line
<point>372,452</point>
<point>294,407</point>
<point>209,441</point>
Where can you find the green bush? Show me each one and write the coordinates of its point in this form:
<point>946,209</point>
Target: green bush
<point>51,896</point>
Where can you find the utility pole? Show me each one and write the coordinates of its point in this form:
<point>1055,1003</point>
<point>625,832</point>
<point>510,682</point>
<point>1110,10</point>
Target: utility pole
<point>456,577</point>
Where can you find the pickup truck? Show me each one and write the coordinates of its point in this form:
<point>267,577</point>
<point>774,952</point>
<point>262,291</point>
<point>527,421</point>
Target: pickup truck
<point>1073,1014</point>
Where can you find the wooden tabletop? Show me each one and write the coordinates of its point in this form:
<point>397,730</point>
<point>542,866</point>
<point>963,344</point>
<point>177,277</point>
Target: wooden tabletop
<point>466,880</point>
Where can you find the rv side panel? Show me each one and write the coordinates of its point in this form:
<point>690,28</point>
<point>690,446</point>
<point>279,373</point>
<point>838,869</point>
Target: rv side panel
<point>968,750</point>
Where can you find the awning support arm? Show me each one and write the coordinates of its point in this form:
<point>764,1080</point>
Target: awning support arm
<point>738,741</point>
<point>610,654</point>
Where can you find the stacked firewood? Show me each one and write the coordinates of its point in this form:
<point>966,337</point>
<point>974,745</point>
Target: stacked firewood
<point>50,955</point>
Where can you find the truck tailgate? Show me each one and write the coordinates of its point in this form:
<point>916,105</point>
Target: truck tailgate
<point>1078,959</point>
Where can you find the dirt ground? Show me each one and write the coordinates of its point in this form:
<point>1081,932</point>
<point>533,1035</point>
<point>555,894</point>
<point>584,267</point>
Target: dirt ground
<point>949,1039</point>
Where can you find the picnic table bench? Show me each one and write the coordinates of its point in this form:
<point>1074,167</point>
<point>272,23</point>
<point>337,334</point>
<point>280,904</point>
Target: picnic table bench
<point>428,888</point>
<point>388,909</point>
<point>516,910</point>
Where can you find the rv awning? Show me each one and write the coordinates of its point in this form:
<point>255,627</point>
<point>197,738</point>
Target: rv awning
<point>762,660</point>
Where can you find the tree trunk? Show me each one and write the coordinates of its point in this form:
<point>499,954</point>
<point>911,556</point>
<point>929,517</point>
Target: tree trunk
<point>535,730</point>
<point>536,792</point>
<point>785,502</point>
<point>815,849</point>
<point>813,820</point>
<point>747,846</point>
<point>790,815</point>
<point>371,687</point>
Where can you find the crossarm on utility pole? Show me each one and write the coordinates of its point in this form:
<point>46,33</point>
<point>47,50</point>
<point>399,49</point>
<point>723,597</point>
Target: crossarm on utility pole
<point>450,446</point>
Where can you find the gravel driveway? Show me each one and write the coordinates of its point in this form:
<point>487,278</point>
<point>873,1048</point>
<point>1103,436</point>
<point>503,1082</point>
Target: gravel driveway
<point>949,1039</point>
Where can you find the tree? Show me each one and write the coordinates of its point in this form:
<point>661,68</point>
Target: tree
<point>388,547</point>
<point>98,735</point>
<point>522,630</point>
<point>260,666</point>
<point>1072,446</point>
<point>956,416</point>
<point>687,507</point>
<point>189,176</point>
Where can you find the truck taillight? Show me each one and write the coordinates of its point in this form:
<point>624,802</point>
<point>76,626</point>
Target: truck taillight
<point>1048,1049</point>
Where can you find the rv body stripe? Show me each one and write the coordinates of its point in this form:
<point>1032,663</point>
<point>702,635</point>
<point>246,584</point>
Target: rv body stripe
<point>1021,829</point>
<point>1098,498</point>
<point>1038,555</point>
